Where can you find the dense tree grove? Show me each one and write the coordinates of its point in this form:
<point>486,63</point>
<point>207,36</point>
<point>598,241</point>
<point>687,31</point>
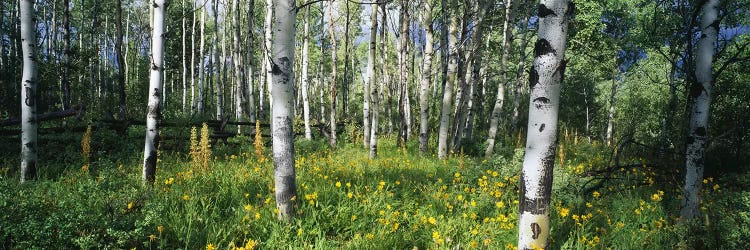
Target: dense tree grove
<point>659,87</point>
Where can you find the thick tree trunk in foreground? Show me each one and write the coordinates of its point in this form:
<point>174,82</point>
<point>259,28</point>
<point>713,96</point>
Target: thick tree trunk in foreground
<point>500,99</point>
<point>371,82</point>
<point>424,85</point>
<point>282,92</point>
<point>700,92</point>
<point>29,124</point>
<point>154,92</point>
<point>545,82</point>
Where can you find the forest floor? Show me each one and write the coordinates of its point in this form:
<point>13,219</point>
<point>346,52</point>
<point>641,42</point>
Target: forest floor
<point>400,200</point>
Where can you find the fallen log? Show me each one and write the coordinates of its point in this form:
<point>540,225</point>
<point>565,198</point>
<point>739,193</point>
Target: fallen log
<point>75,111</point>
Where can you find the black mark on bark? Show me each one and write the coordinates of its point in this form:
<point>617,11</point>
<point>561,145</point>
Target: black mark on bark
<point>536,230</point>
<point>533,77</point>
<point>700,131</point>
<point>545,12</point>
<point>696,89</point>
<point>541,128</point>
<point>543,47</point>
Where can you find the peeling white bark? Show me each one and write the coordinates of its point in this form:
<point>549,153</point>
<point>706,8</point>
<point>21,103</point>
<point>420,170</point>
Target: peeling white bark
<point>700,92</point>
<point>544,103</point>
<point>154,92</point>
<point>29,125</point>
<point>282,114</point>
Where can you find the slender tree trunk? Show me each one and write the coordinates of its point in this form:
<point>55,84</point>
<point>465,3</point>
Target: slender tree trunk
<point>2,48</point>
<point>462,88</point>
<point>403,72</point>
<point>424,91</point>
<point>541,141</point>
<point>334,78</point>
<point>612,99</point>
<point>184,58</point>
<point>347,81</point>
<point>321,78</point>
<point>519,76</point>
<point>370,82</point>
<point>66,55</point>
<point>450,74</point>
<point>154,92</point>
<point>700,92</point>
<point>671,107</point>
<point>120,63</point>
<point>201,67</point>
<point>267,27</point>
<point>249,53</point>
<point>282,91</point>
<point>376,90</point>
<point>193,103</point>
<point>239,67</point>
<point>305,80</point>
<point>219,83</point>
<point>500,99</point>
<point>29,124</point>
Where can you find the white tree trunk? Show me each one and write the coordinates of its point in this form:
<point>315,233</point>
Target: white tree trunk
<point>29,80</point>
<point>612,99</point>
<point>201,68</point>
<point>249,52</point>
<point>500,99</point>
<point>218,82</point>
<point>700,92</point>
<point>403,131</point>
<point>545,82</point>
<point>305,80</point>
<point>154,92</point>
<point>424,86</point>
<point>193,104</point>
<point>282,92</point>
<point>370,83</point>
<point>375,91</point>
<point>184,58</point>
<point>268,47</point>
<point>239,68</point>
<point>445,111</point>
<point>334,79</point>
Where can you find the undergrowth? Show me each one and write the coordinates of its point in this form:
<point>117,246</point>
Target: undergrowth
<point>399,200</point>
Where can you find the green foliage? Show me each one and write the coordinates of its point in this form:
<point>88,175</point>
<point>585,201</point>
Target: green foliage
<point>345,200</point>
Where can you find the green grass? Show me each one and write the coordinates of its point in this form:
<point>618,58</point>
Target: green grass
<point>399,201</point>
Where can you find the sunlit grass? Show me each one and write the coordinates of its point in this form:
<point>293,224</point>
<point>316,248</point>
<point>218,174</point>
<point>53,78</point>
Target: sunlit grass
<point>400,200</point>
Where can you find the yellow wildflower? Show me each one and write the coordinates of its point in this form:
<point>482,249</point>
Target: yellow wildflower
<point>210,247</point>
<point>564,212</point>
<point>432,220</point>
